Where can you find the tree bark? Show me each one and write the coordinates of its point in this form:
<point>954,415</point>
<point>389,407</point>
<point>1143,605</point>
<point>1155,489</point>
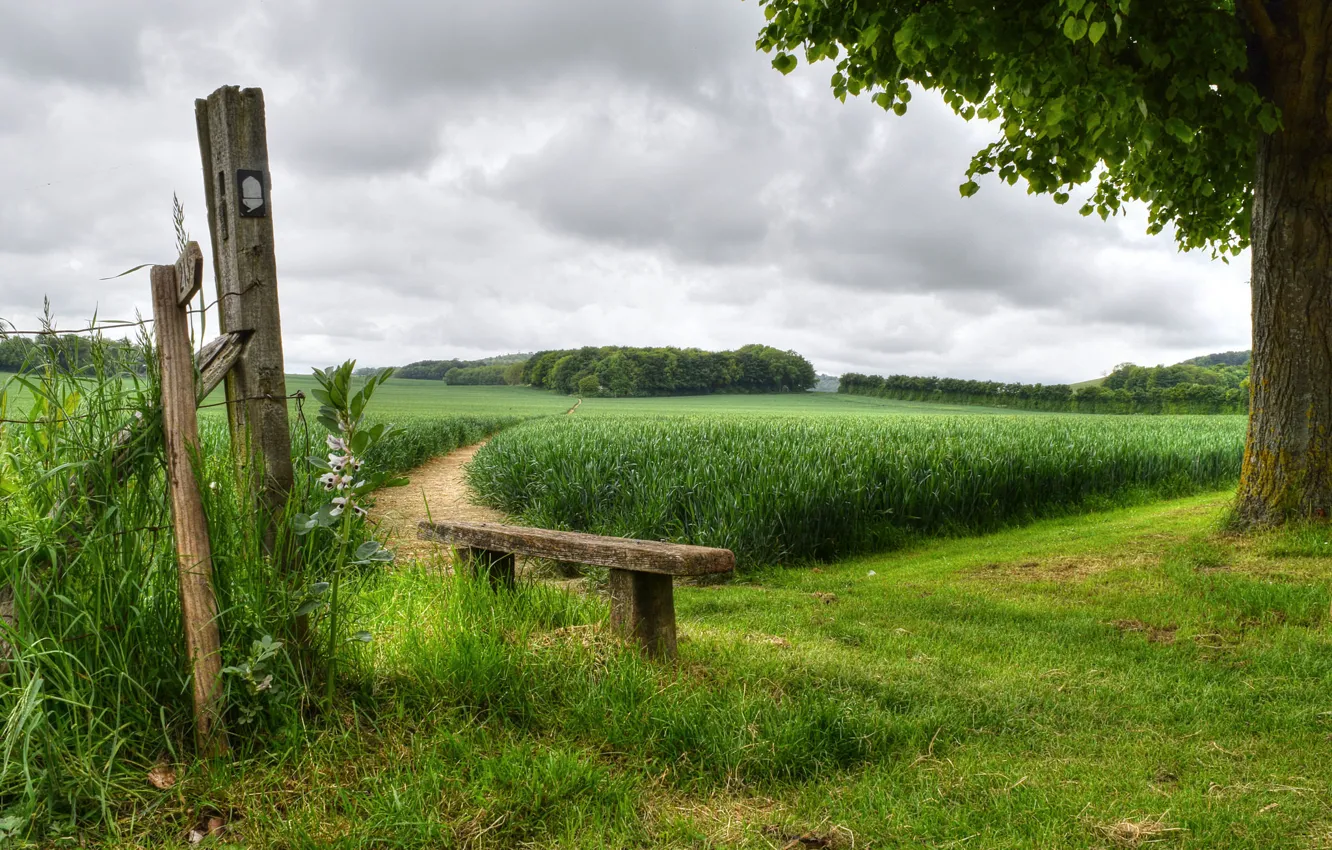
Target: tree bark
<point>1287,469</point>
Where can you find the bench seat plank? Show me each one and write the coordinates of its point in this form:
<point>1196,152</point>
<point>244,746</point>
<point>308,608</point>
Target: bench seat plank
<point>621,553</point>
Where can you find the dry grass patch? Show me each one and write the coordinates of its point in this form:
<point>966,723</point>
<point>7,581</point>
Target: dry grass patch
<point>1137,833</point>
<point>1060,569</point>
<point>1154,634</point>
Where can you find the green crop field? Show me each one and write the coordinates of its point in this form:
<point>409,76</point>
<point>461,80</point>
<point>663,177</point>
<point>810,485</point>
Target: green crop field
<point>402,398</point>
<point>789,404</point>
<point>775,489</point>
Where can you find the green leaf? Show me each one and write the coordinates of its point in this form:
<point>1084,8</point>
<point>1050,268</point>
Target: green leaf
<point>318,463</point>
<point>1061,197</point>
<point>968,188</point>
<point>324,516</point>
<point>360,440</point>
<point>309,606</point>
<point>1075,28</point>
<point>784,62</point>
<point>370,552</point>
<point>1269,118</point>
<point>1177,128</point>
<point>1095,31</point>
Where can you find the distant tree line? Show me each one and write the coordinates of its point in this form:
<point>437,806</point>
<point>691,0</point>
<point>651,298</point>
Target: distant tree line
<point>1183,388</point>
<point>70,352</point>
<point>1224,358</point>
<point>504,369</point>
<point>618,371</point>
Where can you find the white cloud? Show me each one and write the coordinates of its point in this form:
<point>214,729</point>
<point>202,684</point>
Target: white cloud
<point>472,178</point>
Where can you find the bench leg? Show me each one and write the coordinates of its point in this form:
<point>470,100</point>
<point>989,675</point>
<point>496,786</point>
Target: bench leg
<point>643,608</point>
<point>497,567</point>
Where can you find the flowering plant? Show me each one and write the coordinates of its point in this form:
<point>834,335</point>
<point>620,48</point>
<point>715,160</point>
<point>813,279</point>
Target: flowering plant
<point>349,481</point>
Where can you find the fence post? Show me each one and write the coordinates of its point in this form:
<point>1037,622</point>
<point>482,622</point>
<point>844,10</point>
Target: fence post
<point>194,560</point>
<point>233,144</point>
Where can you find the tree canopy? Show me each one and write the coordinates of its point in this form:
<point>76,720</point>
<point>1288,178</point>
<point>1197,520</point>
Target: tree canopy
<point>617,371</point>
<point>1146,100</point>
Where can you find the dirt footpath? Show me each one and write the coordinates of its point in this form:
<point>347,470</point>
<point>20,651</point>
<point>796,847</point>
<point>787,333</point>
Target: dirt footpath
<point>438,489</point>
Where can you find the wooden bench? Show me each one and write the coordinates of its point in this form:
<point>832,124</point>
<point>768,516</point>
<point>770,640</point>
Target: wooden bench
<point>642,599</point>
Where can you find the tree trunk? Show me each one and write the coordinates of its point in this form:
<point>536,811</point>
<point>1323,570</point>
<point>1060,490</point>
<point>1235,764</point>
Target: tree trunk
<point>1287,469</point>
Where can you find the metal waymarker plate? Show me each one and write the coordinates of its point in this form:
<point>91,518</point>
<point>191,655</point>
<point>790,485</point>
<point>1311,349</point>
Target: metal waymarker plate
<point>252,193</point>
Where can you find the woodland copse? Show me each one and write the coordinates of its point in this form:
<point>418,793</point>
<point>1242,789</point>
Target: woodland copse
<point>1215,383</point>
<point>623,372</point>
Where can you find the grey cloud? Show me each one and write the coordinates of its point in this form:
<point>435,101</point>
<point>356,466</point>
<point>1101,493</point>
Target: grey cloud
<point>469,178</point>
<point>405,46</point>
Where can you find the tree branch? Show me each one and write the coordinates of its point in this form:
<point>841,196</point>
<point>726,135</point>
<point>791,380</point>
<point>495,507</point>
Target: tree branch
<point>1261,21</point>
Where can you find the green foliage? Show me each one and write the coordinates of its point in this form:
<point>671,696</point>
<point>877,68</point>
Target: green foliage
<point>97,689</point>
<point>1151,103</point>
<point>1219,376</point>
<point>625,372</point>
<point>1176,389</point>
<point>1224,358</point>
<point>70,352</point>
<point>588,386</point>
<point>477,376</point>
<point>342,411</point>
<point>778,489</point>
<point>438,370</point>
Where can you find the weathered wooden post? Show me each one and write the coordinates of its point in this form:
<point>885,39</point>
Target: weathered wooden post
<point>233,143</point>
<point>173,286</point>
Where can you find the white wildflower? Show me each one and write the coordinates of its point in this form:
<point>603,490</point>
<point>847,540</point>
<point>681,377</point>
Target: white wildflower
<point>329,480</point>
<point>338,504</point>
<point>337,462</point>
<point>336,443</point>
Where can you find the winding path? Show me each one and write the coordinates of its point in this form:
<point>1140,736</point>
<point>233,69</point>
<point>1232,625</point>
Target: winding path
<point>438,489</point>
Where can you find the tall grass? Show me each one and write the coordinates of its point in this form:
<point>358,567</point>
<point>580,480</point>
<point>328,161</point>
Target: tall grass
<point>95,687</point>
<point>777,489</point>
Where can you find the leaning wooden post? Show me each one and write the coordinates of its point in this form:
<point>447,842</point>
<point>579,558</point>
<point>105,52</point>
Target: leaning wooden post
<point>233,143</point>
<point>194,560</point>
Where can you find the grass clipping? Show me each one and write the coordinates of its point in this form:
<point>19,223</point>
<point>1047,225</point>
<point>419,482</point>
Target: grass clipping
<point>1136,833</point>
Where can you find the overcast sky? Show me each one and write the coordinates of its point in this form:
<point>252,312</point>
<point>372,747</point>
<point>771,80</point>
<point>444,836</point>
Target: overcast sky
<point>471,178</point>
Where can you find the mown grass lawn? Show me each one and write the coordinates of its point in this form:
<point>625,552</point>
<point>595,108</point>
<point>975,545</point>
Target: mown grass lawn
<point>1109,680</point>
